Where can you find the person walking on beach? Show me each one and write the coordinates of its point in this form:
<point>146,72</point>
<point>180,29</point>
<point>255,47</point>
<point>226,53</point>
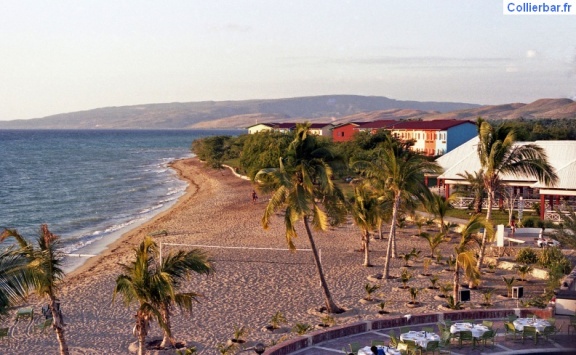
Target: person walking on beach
<point>254,196</point>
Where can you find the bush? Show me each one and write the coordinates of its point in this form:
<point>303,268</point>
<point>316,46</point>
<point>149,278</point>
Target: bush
<point>527,256</point>
<point>530,222</point>
<point>552,258</point>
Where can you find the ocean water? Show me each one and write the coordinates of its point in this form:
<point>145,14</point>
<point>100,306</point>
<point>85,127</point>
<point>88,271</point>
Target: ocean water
<point>89,186</point>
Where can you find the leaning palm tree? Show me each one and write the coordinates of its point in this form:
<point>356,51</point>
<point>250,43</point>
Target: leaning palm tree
<point>13,288</point>
<point>366,214</point>
<point>42,273</point>
<point>398,174</point>
<point>465,257</point>
<point>499,155</point>
<point>301,185</point>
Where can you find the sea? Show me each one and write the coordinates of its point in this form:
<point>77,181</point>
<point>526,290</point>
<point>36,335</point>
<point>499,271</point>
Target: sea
<point>89,186</point>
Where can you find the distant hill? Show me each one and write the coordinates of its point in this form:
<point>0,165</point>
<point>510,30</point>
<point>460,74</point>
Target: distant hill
<point>330,108</point>
<point>543,108</point>
<point>228,114</point>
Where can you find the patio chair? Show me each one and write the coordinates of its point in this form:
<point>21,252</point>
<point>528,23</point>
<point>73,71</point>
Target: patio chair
<point>489,335</point>
<point>5,334</point>
<point>428,329</point>
<point>441,327</point>
<point>448,323</point>
<point>393,339</point>
<point>510,329</point>
<point>431,346</point>
<point>413,348</point>
<point>488,323</point>
<point>41,327</point>
<point>551,320</point>
<point>354,347</point>
<point>512,317</point>
<point>572,324</point>
<point>465,335</point>
<point>404,330</point>
<point>530,332</point>
<point>445,343</point>
<point>403,348</point>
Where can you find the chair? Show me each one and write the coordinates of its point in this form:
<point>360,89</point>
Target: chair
<point>404,330</point>
<point>551,320</point>
<point>465,335</point>
<point>41,327</point>
<point>572,324</point>
<point>393,340</point>
<point>488,323</point>
<point>488,335</point>
<point>448,323</point>
<point>512,318</point>
<point>413,348</point>
<point>530,332</point>
<point>445,342</point>
<point>441,327</point>
<point>378,342</point>
<point>428,329</point>
<point>354,347</point>
<point>345,351</point>
<point>432,346</point>
<point>510,329</point>
<point>403,348</point>
<point>5,334</point>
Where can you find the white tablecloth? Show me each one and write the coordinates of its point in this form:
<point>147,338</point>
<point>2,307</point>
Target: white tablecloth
<point>477,329</point>
<point>390,351</point>
<point>540,324</point>
<point>421,338</point>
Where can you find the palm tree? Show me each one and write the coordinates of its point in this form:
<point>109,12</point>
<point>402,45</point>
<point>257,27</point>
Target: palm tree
<point>12,280</point>
<point>41,271</point>
<point>177,267</point>
<point>301,185</point>
<point>465,257</point>
<point>434,241</point>
<point>366,214</point>
<point>154,286</point>
<point>476,182</point>
<point>398,174</point>
<point>499,155</point>
<point>439,206</point>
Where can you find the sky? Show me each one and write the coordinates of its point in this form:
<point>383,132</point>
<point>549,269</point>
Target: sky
<point>72,55</point>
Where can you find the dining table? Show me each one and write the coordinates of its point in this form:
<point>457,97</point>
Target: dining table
<point>421,338</point>
<point>387,350</point>
<point>477,329</point>
<point>539,324</point>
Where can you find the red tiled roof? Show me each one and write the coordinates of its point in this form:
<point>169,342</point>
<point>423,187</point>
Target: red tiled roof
<point>429,125</point>
<point>377,124</point>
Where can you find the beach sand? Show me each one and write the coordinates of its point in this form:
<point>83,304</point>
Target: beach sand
<point>248,287</point>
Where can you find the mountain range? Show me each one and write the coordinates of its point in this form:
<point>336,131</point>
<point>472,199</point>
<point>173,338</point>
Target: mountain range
<point>329,108</point>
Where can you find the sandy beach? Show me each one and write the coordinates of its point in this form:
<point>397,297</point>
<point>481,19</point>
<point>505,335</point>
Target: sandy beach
<point>248,287</point>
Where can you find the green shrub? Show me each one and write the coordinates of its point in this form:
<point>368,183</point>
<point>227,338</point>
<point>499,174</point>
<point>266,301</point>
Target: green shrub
<point>527,256</point>
<point>552,258</point>
<point>530,222</point>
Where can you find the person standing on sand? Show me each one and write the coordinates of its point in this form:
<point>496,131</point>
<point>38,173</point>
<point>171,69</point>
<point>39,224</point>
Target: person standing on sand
<point>254,196</point>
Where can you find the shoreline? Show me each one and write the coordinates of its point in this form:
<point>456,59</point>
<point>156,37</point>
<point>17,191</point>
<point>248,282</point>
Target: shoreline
<point>108,248</point>
<point>248,286</point>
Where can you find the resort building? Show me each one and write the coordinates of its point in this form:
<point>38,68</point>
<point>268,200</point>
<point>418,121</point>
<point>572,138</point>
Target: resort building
<point>320,129</point>
<point>435,137</point>
<point>523,191</point>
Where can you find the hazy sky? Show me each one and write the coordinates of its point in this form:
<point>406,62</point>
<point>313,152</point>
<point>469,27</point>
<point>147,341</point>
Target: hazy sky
<point>62,56</point>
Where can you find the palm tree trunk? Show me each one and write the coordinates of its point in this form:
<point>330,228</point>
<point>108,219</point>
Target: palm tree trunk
<point>331,306</point>
<point>142,327</point>
<point>366,245</point>
<point>386,274</point>
<point>58,325</point>
<point>167,340</point>
<point>456,280</point>
<point>485,235</point>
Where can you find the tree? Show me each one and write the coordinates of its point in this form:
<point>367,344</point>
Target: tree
<point>476,184</point>
<point>153,285</point>
<point>12,280</point>
<point>465,258</point>
<point>301,185</point>
<point>499,155</point>
<point>366,215</point>
<point>439,206</point>
<point>41,272</point>
<point>398,175</point>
